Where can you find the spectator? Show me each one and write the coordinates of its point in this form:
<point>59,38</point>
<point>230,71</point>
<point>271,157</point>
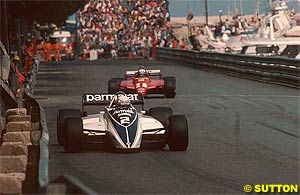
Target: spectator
<point>175,43</point>
<point>40,48</point>
<point>57,52</point>
<point>69,53</point>
<point>29,52</point>
<point>162,42</point>
<point>155,43</point>
<point>253,21</point>
<point>84,54</point>
<point>13,80</point>
<point>107,22</point>
<point>114,54</point>
<point>47,51</point>
<point>183,44</point>
<point>150,45</point>
<point>33,45</point>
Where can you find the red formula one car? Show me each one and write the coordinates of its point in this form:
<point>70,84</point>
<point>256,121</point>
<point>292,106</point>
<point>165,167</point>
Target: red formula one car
<point>144,82</point>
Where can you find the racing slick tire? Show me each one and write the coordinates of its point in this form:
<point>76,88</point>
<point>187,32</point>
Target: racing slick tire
<point>74,135</point>
<point>178,138</point>
<point>162,114</point>
<point>62,115</point>
<point>114,85</point>
<point>170,87</point>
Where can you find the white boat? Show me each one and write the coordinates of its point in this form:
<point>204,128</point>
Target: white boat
<point>276,37</point>
<point>285,47</point>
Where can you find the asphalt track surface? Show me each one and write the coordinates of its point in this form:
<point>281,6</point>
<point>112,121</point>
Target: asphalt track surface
<point>240,132</point>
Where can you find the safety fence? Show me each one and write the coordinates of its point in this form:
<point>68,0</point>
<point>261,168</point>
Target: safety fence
<point>25,139</point>
<point>31,78</point>
<point>279,70</point>
<point>24,151</point>
<point>65,184</point>
<point>38,115</point>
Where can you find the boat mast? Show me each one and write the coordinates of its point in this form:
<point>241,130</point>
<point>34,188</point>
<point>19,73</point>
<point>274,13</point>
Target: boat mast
<point>235,9</point>
<point>206,12</point>
<point>228,11</point>
<point>187,17</point>
<point>256,10</point>
<point>241,4</point>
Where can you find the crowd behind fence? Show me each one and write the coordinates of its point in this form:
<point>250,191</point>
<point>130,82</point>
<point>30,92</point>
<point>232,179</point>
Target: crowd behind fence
<point>124,28</point>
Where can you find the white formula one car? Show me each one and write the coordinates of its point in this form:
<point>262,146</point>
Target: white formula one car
<point>120,125</point>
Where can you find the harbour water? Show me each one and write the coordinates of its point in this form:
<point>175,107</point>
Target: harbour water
<point>178,8</point>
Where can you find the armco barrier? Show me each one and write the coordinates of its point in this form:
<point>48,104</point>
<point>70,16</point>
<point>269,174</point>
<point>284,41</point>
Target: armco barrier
<point>38,115</point>
<point>32,104</point>
<point>24,151</point>
<point>31,78</point>
<point>25,140</point>
<point>40,130</point>
<point>279,70</point>
<point>27,167</point>
<point>44,152</point>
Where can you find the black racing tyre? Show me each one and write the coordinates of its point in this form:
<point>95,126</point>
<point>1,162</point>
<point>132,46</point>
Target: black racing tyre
<point>162,114</point>
<point>74,135</point>
<point>178,138</point>
<point>62,115</point>
<point>114,85</point>
<point>170,87</point>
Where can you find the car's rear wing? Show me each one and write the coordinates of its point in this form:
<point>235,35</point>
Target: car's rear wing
<point>96,99</point>
<point>151,72</point>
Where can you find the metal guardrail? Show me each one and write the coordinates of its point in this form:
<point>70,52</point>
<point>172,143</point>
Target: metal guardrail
<point>66,184</point>
<point>25,99</point>
<point>279,70</point>
<point>44,151</point>
<point>31,78</point>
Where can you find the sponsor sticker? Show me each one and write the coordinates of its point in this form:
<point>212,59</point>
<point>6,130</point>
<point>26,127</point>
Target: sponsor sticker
<point>107,97</point>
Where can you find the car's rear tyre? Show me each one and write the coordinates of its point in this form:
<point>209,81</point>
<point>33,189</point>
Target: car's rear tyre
<point>74,135</point>
<point>170,87</point>
<point>114,85</point>
<point>162,114</point>
<point>62,115</point>
<point>178,138</point>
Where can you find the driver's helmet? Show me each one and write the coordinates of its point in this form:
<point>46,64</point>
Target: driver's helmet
<point>122,102</point>
<point>141,72</point>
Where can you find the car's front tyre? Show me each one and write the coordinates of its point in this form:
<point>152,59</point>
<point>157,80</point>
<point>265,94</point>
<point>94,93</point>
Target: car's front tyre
<point>170,87</point>
<point>178,138</point>
<point>74,135</point>
<point>62,115</point>
<point>114,85</point>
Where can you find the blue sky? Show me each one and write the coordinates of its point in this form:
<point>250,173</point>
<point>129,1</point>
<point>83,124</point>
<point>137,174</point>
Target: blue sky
<point>178,7</point>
